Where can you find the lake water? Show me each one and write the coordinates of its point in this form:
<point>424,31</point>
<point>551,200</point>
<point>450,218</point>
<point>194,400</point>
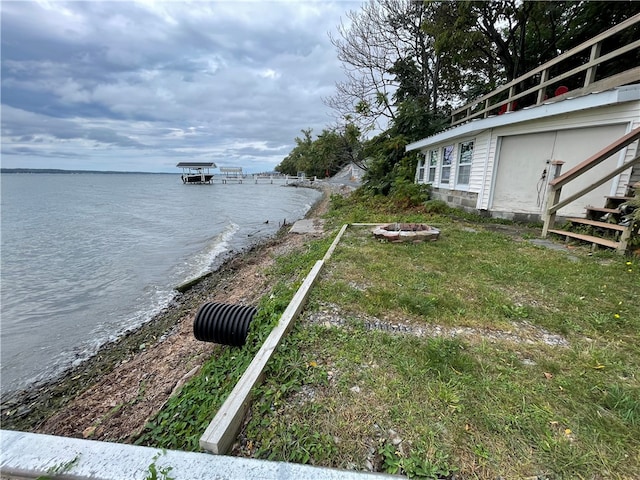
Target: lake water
<point>86,257</point>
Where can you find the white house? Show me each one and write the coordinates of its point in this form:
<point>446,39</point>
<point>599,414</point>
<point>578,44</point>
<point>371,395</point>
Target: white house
<point>501,164</point>
<point>499,159</point>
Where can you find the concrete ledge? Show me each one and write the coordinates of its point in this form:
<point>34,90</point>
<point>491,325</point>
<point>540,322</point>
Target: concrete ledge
<point>30,455</point>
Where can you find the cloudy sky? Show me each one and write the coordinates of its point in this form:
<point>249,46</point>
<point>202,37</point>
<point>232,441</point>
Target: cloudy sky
<point>141,85</point>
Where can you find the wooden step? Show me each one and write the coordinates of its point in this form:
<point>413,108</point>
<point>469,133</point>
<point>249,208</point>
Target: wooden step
<point>616,198</point>
<point>587,238</point>
<point>603,209</point>
<point>595,223</point>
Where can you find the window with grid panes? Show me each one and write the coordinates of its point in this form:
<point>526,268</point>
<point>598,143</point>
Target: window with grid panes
<point>447,160</point>
<point>465,155</point>
<point>421,170</point>
<point>432,158</point>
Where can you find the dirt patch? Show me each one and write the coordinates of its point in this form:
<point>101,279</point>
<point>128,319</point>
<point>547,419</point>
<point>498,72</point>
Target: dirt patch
<point>520,332</point>
<point>112,395</point>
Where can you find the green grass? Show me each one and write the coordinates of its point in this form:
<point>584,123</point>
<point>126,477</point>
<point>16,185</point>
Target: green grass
<point>183,420</point>
<point>479,407</point>
<point>497,400</point>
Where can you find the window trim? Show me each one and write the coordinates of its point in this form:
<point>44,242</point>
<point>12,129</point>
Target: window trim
<point>433,158</point>
<point>451,159</point>
<point>420,171</point>
<point>469,163</point>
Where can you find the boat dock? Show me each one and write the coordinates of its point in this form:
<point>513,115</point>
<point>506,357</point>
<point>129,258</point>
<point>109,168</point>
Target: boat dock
<point>198,173</point>
<point>260,178</point>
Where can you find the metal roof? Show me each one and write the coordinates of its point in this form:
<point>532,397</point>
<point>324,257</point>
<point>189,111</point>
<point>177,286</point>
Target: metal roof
<point>546,110</point>
<point>196,165</point>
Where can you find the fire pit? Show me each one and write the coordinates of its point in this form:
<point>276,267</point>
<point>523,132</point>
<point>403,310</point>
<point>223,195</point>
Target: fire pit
<point>406,232</point>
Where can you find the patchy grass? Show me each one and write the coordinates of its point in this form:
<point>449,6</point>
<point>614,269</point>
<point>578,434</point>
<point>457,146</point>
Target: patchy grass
<point>347,394</point>
<point>183,420</point>
<point>479,355</point>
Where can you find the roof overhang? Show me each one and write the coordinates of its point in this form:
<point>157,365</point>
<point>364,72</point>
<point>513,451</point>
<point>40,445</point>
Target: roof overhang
<point>196,165</point>
<point>601,99</point>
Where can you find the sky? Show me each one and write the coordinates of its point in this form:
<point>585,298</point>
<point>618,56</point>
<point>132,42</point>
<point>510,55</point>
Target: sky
<point>143,85</point>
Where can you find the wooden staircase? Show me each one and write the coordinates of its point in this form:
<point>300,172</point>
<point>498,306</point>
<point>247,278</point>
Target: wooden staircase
<point>602,224</point>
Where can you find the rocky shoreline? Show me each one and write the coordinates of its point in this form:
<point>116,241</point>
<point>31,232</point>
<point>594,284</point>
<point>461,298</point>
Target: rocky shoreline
<point>111,395</point>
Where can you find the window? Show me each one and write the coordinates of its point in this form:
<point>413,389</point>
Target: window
<point>465,155</point>
<point>447,159</point>
<point>432,157</point>
<point>420,175</point>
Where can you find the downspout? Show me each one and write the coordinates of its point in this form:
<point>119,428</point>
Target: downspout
<point>494,172</point>
<point>484,175</point>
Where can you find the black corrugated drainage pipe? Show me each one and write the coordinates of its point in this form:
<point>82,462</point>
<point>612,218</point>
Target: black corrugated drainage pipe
<point>223,323</point>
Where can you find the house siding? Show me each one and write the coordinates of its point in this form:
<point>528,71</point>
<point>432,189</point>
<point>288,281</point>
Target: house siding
<point>476,177</point>
<point>631,176</point>
<point>487,151</point>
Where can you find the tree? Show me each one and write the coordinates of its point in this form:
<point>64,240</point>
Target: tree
<point>407,61</point>
<point>380,40</point>
<point>324,156</point>
<point>495,42</point>
<point>297,160</point>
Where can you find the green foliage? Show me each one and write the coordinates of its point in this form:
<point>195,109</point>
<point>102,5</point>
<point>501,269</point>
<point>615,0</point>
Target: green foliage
<point>278,439</point>
<point>417,464</point>
<point>635,202</point>
<point>390,169</point>
<point>437,207</point>
<point>155,473</point>
<point>184,418</point>
<point>415,120</point>
<point>325,155</point>
<point>61,469</point>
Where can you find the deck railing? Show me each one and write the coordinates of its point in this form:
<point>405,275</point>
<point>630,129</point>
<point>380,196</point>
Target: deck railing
<point>504,99</point>
<point>555,185</point>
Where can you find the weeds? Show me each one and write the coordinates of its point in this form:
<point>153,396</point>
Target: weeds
<point>467,406</point>
<point>183,420</point>
<point>60,469</point>
<point>473,407</point>
<point>158,473</point>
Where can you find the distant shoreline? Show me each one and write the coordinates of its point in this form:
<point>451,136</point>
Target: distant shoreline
<point>61,171</point>
<point>28,408</point>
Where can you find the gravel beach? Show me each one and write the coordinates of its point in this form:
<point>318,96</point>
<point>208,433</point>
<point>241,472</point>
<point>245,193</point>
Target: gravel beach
<point>111,396</point>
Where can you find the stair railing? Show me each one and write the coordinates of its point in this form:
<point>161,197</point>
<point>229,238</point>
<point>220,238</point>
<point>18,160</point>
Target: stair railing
<point>555,185</point>
<point>482,106</point>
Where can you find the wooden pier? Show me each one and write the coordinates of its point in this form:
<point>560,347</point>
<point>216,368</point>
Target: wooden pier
<point>198,173</point>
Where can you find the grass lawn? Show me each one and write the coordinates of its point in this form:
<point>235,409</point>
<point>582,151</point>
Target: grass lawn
<point>477,355</point>
<point>480,355</point>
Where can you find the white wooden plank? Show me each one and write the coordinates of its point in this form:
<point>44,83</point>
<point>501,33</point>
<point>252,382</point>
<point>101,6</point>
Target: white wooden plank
<point>335,243</point>
<point>223,429</point>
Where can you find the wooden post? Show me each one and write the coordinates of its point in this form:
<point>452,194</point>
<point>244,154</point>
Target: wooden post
<point>591,71</point>
<point>512,92</point>
<point>625,236</point>
<point>544,76</point>
<point>553,197</point>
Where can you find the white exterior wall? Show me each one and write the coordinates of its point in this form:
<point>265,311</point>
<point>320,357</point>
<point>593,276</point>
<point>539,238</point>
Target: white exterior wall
<point>487,145</point>
<point>477,176</point>
<point>633,150</point>
<point>489,172</point>
<point>518,185</point>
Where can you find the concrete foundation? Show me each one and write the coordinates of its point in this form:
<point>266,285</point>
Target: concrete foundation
<point>456,198</point>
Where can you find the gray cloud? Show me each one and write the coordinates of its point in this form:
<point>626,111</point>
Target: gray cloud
<point>154,83</point>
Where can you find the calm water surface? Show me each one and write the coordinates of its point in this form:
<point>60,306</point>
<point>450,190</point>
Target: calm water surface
<point>85,257</point>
